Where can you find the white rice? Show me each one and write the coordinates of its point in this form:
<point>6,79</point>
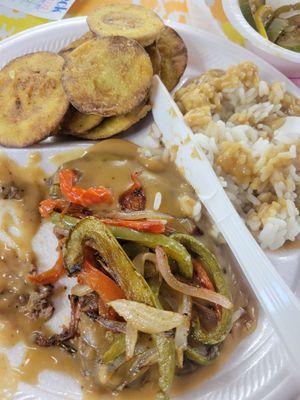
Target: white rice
<point>273,231</point>
<point>157,201</point>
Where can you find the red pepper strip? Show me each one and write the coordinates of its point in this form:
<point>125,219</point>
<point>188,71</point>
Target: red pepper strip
<point>49,205</point>
<point>80,196</point>
<point>152,226</point>
<point>136,183</point>
<point>102,284</point>
<point>52,275</point>
<point>206,283</point>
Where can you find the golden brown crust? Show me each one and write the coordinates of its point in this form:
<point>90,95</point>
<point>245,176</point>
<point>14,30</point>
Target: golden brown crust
<point>77,123</point>
<point>76,43</point>
<point>173,57</point>
<point>128,20</point>
<point>113,125</point>
<point>107,76</point>
<point>32,99</point>
<point>155,58</point>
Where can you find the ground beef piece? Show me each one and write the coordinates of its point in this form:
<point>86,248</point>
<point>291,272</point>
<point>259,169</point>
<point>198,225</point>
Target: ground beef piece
<point>133,199</point>
<point>89,303</point>
<point>11,192</point>
<point>39,304</point>
<point>67,333</point>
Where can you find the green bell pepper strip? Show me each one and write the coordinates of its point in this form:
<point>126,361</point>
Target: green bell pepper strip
<point>64,221</point>
<point>116,349</point>
<point>133,249</point>
<point>194,355</point>
<point>100,238</point>
<point>172,247</point>
<point>213,269</point>
<point>166,363</point>
<point>155,284</point>
<point>135,287</point>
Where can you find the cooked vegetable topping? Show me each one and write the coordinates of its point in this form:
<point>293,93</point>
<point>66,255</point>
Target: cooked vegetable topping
<point>147,319</point>
<point>145,296</point>
<point>142,226</point>
<point>49,205</point>
<point>102,284</point>
<point>52,275</point>
<point>194,291</point>
<point>172,247</point>
<point>80,196</point>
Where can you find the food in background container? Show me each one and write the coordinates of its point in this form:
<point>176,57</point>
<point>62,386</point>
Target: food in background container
<point>279,25</point>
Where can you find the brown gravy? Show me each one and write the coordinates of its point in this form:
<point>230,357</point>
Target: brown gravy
<point>109,163</point>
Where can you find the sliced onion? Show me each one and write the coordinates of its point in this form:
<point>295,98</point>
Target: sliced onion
<point>182,331</point>
<point>140,259</point>
<point>237,314</point>
<point>130,340</point>
<point>136,215</point>
<point>201,293</point>
<point>103,374</point>
<point>81,290</point>
<point>145,318</point>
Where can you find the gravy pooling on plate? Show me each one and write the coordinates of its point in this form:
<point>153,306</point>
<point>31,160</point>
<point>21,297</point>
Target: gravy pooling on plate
<point>25,306</point>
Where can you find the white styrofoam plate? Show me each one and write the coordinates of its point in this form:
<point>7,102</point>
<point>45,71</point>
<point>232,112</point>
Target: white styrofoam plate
<point>258,369</point>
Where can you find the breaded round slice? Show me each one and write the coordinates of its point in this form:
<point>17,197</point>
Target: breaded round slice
<point>107,76</point>
<point>174,57</point>
<point>155,58</point>
<point>32,99</point>
<point>76,43</point>
<point>113,125</point>
<point>77,123</point>
<point>129,20</point>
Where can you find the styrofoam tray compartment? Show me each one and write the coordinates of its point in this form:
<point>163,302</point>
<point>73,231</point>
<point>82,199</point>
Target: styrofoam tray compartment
<point>258,369</point>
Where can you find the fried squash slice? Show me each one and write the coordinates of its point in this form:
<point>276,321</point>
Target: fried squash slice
<point>77,123</point>
<point>107,76</point>
<point>113,125</point>
<point>155,58</point>
<point>174,57</point>
<point>32,99</point>
<point>132,21</point>
<point>76,43</point>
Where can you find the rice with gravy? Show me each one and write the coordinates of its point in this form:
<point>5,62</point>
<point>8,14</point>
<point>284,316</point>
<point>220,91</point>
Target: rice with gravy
<point>236,118</point>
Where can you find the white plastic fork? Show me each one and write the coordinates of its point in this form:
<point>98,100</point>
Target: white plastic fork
<point>279,303</point>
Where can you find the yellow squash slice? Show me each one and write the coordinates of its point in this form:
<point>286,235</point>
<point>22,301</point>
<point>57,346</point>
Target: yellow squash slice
<point>107,76</point>
<point>32,99</point>
<point>155,58</point>
<point>132,21</point>
<point>113,125</point>
<point>76,43</point>
<point>174,57</point>
<point>77,123</point>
